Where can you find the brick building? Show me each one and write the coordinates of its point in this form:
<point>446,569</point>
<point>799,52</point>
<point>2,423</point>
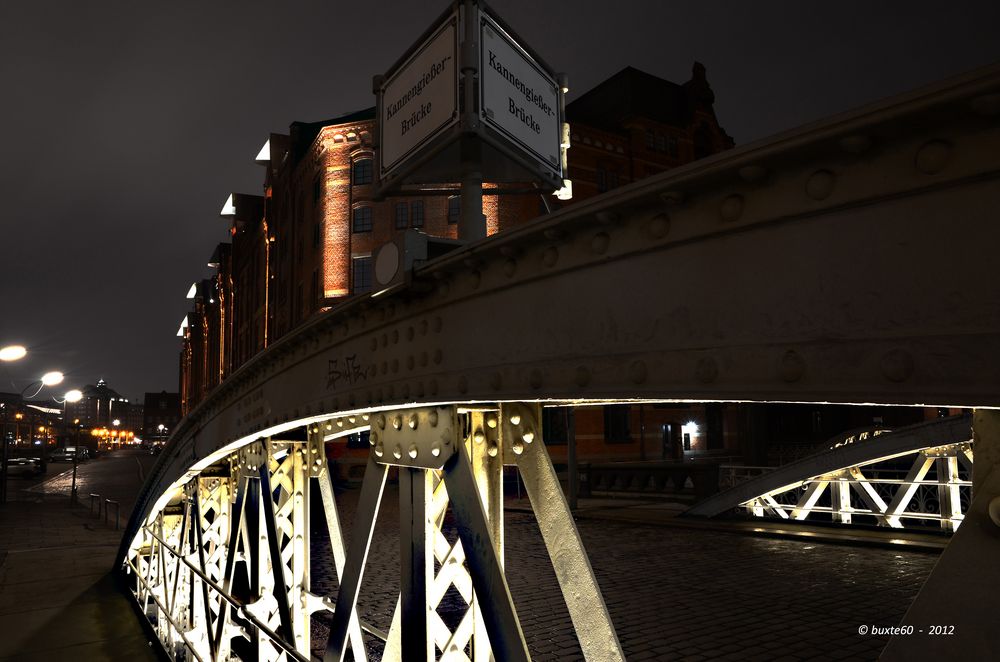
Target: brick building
<point>307,241</point>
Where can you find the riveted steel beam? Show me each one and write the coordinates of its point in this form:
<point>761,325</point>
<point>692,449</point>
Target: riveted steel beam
<point>521,431</point>
<point>357,554</point>
<point>421,437</point>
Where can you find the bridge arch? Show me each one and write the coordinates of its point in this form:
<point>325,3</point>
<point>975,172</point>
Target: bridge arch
<point>747,276</point>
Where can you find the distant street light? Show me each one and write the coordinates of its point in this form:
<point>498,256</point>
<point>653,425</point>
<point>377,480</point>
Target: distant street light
<point>116,422</point>
<point>13,353</point>
<point>52,378</point>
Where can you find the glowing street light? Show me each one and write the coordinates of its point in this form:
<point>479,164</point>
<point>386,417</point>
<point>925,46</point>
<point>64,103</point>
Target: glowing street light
<point>52,378</point>
<point>73,395</point>
<point>13,353</point>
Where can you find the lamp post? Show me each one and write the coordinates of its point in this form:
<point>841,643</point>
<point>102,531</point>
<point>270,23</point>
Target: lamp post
<point>73,395</point>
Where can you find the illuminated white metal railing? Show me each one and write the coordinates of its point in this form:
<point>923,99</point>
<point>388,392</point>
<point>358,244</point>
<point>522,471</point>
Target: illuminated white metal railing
<point>867,490</point>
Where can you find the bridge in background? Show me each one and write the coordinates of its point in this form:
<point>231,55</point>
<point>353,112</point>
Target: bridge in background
<point>850,261</point>
<point>920,474</point>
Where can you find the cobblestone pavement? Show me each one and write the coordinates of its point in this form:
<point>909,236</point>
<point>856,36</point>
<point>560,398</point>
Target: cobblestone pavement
<point>676,594</point>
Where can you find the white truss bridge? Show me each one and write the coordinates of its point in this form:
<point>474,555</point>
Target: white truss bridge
<point>917,475</point>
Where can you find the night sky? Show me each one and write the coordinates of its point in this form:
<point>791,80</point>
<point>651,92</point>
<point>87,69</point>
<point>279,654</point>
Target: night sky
<point>127,124</point>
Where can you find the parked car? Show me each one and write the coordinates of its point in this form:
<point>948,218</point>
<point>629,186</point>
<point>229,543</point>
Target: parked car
<point>66,454</point>
<point>25,466</point>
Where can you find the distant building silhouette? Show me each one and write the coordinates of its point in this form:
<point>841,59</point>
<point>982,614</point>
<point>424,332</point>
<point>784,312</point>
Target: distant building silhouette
<point>99,407</point>
<point>160,415</point>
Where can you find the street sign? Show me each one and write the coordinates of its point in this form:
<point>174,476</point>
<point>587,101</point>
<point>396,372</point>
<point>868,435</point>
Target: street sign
<point>420,100</point>
<point>470,102</point>
<point>518,97</point>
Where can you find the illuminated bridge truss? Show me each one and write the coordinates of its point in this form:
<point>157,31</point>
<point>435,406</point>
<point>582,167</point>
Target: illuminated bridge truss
<point>937,487</point>
<point>915,476</point>
<point>222,569</point>
<point>808,267</point>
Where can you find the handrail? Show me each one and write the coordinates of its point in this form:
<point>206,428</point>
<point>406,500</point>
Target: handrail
<point>233,602</point>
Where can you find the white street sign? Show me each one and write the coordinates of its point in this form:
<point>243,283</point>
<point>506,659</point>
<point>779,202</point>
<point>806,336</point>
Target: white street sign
<point>519,99</point>
<point>420,100</point>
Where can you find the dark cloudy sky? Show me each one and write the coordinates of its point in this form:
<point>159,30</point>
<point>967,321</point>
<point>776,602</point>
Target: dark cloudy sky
<point>126,125</point>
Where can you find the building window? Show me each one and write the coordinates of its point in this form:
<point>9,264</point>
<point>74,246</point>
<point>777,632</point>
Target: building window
<point>362,173</point>
<point>362,219</point>
<point>555,428</point>
<point>650,139</point>
<point>317,233</point>
<point>317,189</point>
<point>454,208</point>
<point>417,214</point>
<point>402,216</point>
<point>606,177</point>
<point>616,424</point>
<point>672,146</point>
<point>362,274</point>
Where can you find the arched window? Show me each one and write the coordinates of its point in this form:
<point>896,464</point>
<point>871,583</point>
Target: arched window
<point>361,173</point>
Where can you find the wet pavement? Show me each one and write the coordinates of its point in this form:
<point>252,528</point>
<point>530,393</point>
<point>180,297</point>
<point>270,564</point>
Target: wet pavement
<point>116,475</point>
<point>675,593</point>
<point>58,597</point>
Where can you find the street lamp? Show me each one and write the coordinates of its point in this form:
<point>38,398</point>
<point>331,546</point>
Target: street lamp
<point>51,378</point>
<point>13,353</point>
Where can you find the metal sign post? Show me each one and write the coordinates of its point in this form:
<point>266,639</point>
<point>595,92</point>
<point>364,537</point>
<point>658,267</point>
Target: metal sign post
<point>472,221</point>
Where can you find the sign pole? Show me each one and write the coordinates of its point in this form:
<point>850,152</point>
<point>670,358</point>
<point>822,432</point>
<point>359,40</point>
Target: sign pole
<point>472,221</point>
